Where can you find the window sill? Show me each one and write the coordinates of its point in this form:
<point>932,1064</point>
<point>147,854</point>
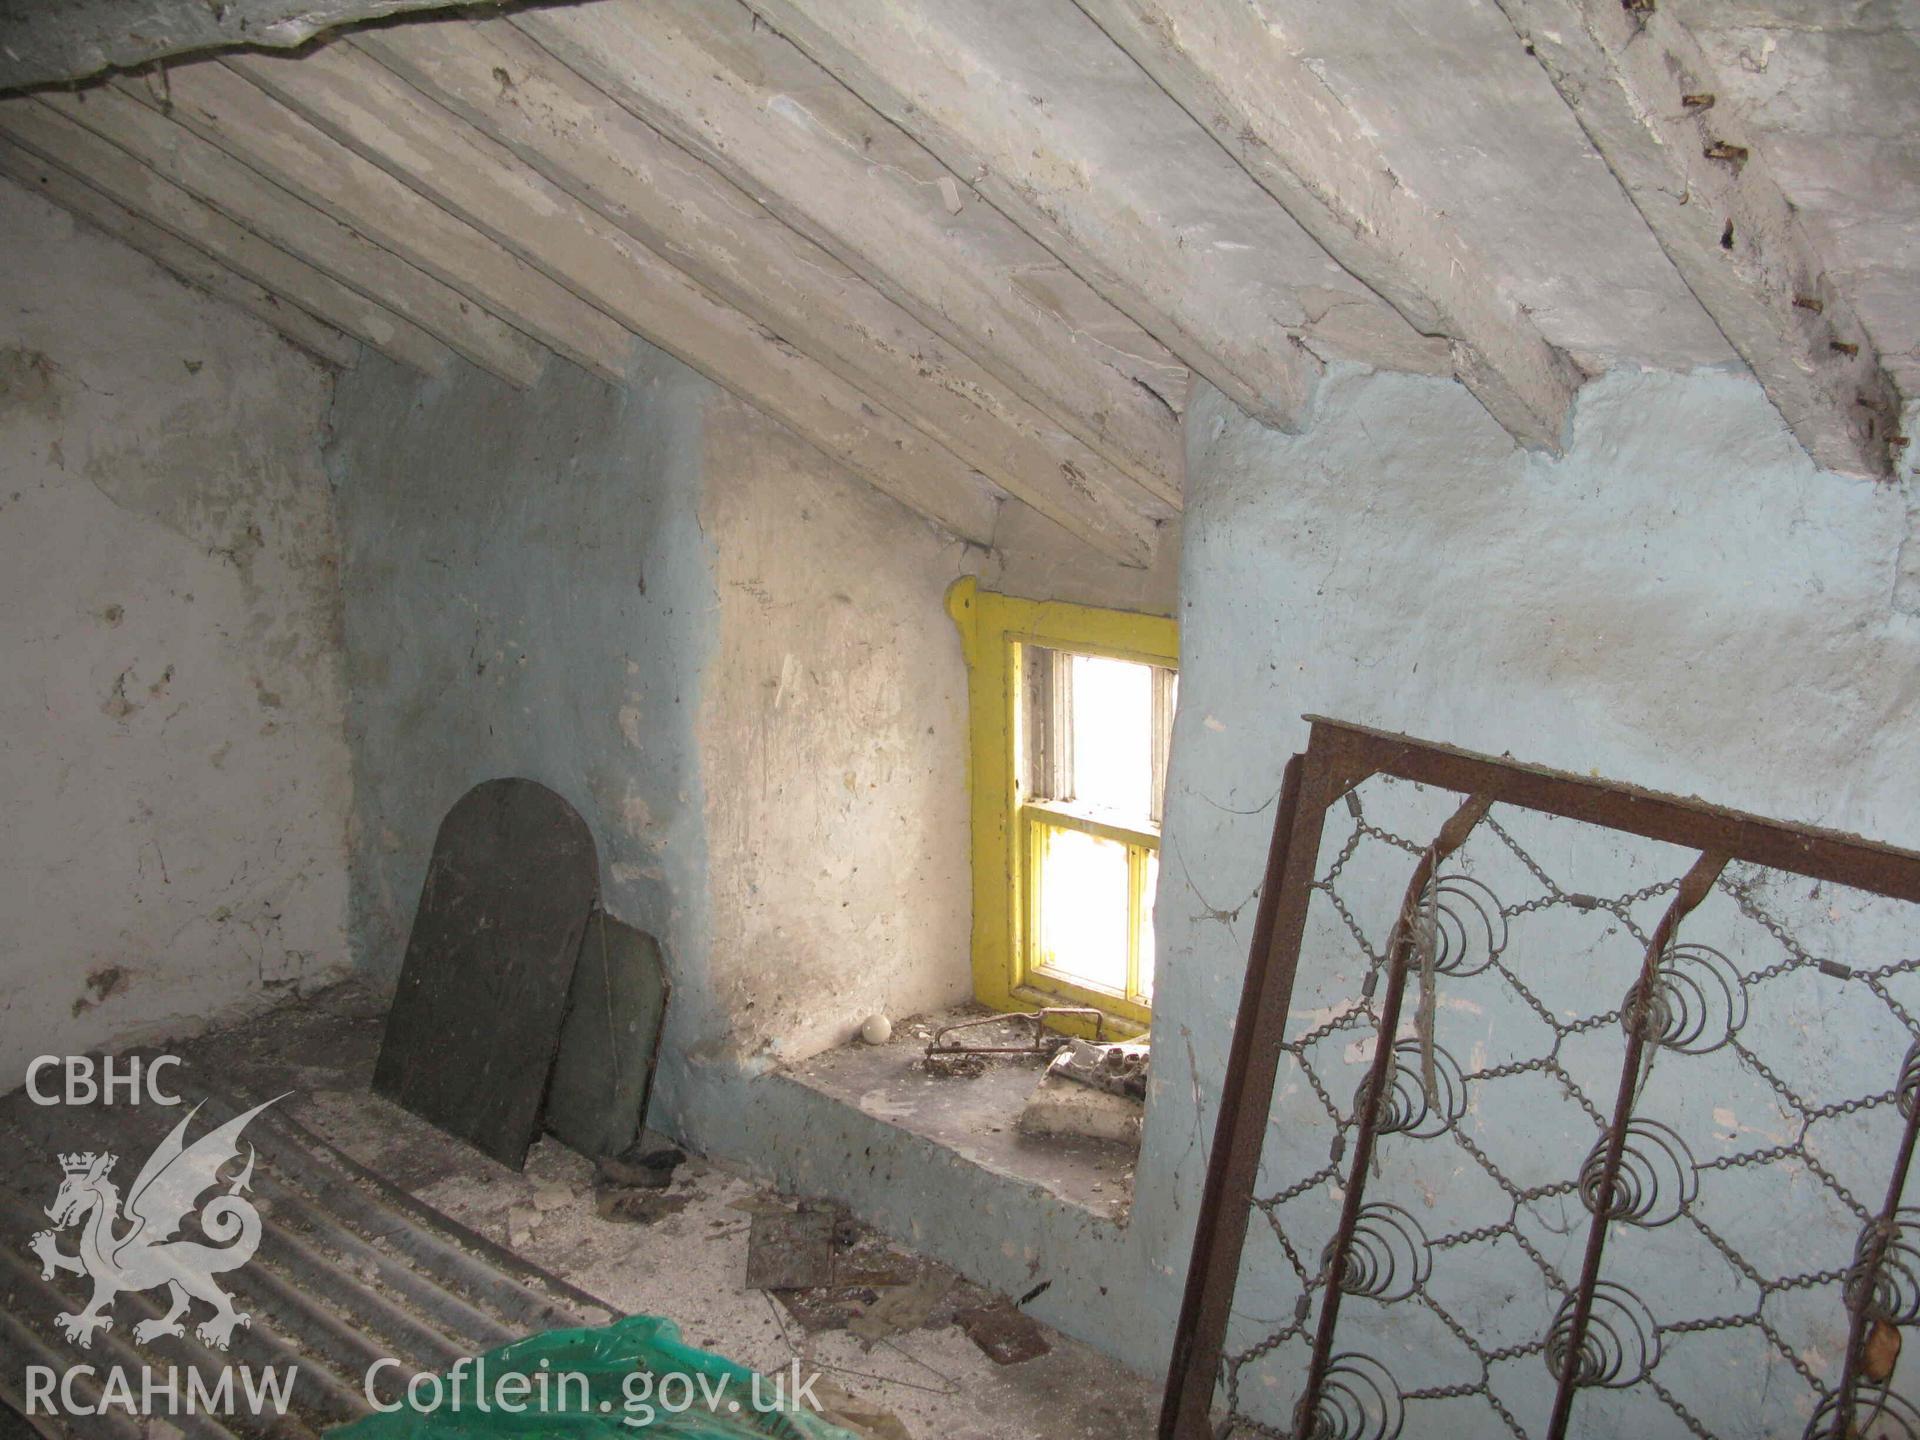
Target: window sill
<point>1114,1023</point>
<point>1109,824</point>
<point>974,1117</point>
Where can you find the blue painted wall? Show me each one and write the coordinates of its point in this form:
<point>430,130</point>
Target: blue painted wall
<point>528,592</point>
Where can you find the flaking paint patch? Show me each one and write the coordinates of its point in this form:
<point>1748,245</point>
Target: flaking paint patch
<point>636,815</point>
<point>27,381</point>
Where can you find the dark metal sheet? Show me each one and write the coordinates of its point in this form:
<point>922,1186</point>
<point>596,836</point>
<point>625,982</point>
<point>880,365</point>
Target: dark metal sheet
<point>597,1099</point>
<point>476,1019</point>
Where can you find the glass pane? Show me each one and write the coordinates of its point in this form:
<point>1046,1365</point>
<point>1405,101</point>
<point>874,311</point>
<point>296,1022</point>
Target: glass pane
<point>1152,882</point>
<point>1113,736</point>
<point>1082,929</point>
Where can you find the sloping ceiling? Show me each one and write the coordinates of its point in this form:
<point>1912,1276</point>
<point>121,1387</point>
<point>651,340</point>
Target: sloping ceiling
<point>974,248</point>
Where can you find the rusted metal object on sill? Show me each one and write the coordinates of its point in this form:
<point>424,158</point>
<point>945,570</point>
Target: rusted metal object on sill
<point>1676,998</point>
<point>1044,1041</point>
<point>1119,1068</point>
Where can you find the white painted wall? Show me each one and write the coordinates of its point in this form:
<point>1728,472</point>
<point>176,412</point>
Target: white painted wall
<point>833,739</point>
<point>171,749</point>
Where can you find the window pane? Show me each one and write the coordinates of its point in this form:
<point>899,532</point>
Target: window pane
<point>1152,883</point>
<point>1113,735</point>
<point>1083,908</point>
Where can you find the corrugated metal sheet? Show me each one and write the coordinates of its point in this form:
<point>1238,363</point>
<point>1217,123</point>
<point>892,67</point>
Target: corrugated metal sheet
<point>349,1270</point>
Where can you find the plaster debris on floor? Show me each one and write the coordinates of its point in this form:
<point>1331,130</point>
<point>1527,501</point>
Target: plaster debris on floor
<point>893,1333</point>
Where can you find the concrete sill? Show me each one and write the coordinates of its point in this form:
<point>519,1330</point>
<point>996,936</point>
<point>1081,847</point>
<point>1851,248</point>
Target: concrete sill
<point>972,1117</point>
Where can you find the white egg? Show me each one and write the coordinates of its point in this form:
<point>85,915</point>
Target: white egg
<point>877,1031</point>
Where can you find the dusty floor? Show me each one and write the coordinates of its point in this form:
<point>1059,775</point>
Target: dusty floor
<point>910,1359</point>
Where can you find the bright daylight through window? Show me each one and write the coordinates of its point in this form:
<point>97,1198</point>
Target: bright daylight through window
<point>1095,743</point>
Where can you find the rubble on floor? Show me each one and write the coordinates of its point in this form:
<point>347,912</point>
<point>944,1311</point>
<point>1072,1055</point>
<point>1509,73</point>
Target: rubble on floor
<point>889,1343</point>
<point>1090,1090</point>
<point>790,1249</point>
<point>1003,1334</point>
<point>634,1186</point>
<point>1120,1066</point>
<point>833,1273</point>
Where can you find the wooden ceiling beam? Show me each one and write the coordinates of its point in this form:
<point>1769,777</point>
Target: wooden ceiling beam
<point>57,43</point>
<point>117,175</point>
<point>185,262</point>
<point>1232,68</point>
<point>224,107</point>
<point>1645,93</point>
<point>282,218</point>
<point>685,321</point>
<point>715,81</point>
<point>1092,167</point>
<point>589,195</point>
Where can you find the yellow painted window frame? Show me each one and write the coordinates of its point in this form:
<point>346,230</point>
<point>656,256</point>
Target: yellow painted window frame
<point>993,628</point>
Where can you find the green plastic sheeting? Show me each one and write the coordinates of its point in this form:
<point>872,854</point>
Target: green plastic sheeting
<point>633,1377</point>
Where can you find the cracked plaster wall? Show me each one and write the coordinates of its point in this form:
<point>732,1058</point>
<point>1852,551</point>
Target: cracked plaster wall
<point>171,727</point>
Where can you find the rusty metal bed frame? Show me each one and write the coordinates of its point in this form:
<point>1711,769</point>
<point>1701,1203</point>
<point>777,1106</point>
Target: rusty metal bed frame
<point>1338,758</point>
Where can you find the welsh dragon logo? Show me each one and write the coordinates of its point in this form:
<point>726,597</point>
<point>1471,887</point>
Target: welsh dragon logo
<point>137,1249</point>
